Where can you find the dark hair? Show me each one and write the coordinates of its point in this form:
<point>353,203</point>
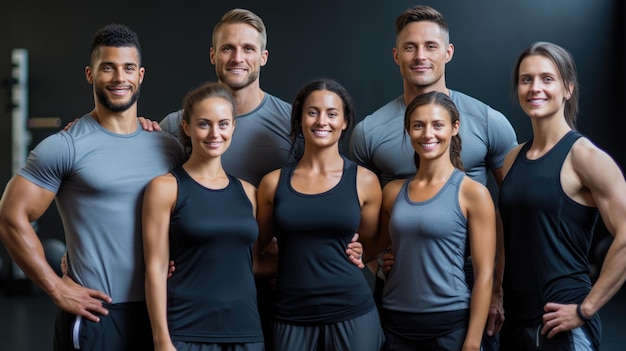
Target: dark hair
<point>236,16</point>
<point>564,63</point>
<point>205,91</point>
<point>114,35</point>
<point>421,13</point>
<point>303,94</point>
<point>443,100</point>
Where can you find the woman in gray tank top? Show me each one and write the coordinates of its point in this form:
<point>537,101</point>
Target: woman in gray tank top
<point>431,219</point>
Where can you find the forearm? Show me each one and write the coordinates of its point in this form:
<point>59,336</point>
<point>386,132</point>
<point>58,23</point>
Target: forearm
<point>265,265</point>
<point>479,308</point>
<point>498,274</point>
<point>24,247</point>
<point>156,301</point>
<point>374,248</point>
<point>611,278</point>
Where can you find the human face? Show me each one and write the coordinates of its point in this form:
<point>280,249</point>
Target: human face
<point>541,90</point>
<point>116,77</point>
<point>422,51</point>
<point>431,130</point>
<point>323,118</point>
<point>238,56</point>
<point>210,127</point>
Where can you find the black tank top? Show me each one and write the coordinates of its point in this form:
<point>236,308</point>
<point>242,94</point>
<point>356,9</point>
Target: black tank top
<point>316,282</point>
<point>211,298</point>
<point>547,236</point>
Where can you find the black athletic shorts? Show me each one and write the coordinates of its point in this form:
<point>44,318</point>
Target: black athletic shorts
<point>125,328</point>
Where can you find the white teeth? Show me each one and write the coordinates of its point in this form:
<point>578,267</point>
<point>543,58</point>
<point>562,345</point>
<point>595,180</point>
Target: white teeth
<point>429,145</point>
<point>322,132</point>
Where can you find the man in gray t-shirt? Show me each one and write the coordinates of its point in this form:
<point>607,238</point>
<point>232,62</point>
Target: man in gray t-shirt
<point>96,171</point>
<point>261,141</point>
<point>378,142</point>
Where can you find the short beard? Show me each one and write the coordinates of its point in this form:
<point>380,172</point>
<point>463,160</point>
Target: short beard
<point>102,98</point>
<point>238,86</point>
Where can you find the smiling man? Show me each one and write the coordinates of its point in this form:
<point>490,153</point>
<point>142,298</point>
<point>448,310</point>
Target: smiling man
<point>261,139</point>
<point>98,186</point>
<point>378,142</point>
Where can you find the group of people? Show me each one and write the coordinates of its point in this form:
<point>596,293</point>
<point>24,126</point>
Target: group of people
<point>259,190</point>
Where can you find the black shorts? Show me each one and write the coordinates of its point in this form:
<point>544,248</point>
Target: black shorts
<point>125,328</point>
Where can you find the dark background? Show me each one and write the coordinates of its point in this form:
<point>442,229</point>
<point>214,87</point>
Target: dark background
<point>350,41</point>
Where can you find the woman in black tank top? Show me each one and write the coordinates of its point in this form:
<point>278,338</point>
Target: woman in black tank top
<point>203,219</point>
<point>314,206</point>
<point>554,186</point>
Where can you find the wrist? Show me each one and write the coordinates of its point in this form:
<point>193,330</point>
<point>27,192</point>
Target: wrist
<point>581,315</point>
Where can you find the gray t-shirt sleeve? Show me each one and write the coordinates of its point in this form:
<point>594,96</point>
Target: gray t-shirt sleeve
<point>502,139</point>
<point>170,123</point>
<point>49,162</point>
<point>358,148</point>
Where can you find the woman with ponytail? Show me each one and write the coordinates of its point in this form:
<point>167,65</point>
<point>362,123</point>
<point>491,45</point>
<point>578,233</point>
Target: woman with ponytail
<point>433,220</point>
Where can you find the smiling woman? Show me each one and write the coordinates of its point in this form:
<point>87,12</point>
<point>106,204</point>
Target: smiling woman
<point>314,206</point>
<point>555,186</point>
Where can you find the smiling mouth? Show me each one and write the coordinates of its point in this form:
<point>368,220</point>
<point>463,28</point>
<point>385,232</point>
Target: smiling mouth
<point>321,132</point>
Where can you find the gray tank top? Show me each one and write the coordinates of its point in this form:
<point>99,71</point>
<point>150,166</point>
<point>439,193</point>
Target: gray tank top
<point>429,240</point>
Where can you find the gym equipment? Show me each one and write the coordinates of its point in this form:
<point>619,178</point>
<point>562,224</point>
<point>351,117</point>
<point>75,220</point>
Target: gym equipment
<point>54,250</point>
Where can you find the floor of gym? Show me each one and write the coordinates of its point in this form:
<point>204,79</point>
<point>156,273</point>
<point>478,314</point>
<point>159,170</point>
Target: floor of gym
<point>27,320</point>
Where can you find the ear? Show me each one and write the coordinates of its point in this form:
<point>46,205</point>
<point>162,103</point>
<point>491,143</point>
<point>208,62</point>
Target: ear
<point>569,91</point>
<point>142,71</point>
<point>212,55</point>
<point>185,127</point>
<point>264,56</point>
<point>394,52</point>
<point>455,128</point>
<point>88,75</point>
<point>449,53</point>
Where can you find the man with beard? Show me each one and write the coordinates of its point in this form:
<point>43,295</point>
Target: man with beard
<point>98,187</point>
<point>261,140</point>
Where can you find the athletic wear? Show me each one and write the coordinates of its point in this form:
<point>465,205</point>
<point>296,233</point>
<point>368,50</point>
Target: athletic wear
<point>125,328</point>
<point>426,296</point>
<point>261,140</point>
<point>428,240</point>
<point>379,141</point>
<point>530,338</point>
<point>547,237</point>
<point>361,333</point>
<point>212,296</point>
<point>316,282</point>
<point>99,178</point>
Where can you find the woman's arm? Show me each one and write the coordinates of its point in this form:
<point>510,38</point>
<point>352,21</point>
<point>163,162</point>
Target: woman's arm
<point>265,248</point>
<point>383,239</point>
<point>370,198</point>
<point>477,204</point>
<point>599,178</point>
<point>158,203</point>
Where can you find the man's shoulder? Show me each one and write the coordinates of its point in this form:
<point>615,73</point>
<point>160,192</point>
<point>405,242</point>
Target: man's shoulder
<point>389,111</point>
<point>470,106</point>
<point>273,105</point>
